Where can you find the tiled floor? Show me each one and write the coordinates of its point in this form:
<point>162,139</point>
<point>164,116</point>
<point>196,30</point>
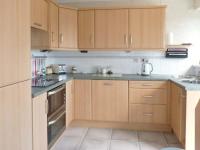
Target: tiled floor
<point>76,138</point>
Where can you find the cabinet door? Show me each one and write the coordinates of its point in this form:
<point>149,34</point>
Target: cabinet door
<point>14,41</point>
<point>40,122</point>
<point>67,28</point>
<point>16,117</point>
<point>53,25</point>
<point>69,102</point>
<point>146,28</point>
<point>111,29</point>
<point>82,97</point>
<point>178,112</point>
<point>86,29</point>
<point>39,10</point>
<point>153,24</point>
<point>110,100</point>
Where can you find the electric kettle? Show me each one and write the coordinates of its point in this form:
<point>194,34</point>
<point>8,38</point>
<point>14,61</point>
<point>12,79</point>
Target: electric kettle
<point>147,68</point>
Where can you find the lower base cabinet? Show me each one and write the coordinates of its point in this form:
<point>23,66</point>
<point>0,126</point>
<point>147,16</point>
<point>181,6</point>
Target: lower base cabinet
<point>40,122</point>
<point>69,102</point>
<point>178,112</point>
<point>110,100</point>
<point>16,117</point>
<point>154,114</point>
<point>82,99</point>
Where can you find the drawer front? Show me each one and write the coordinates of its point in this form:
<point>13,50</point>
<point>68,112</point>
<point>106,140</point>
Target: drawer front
<point>148,84</point>
<point>155,114</point>
<point>147,96</point>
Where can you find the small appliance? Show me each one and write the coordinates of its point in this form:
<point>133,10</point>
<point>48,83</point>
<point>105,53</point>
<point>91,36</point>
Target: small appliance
<point>59,68</point>
<point>147,68</point>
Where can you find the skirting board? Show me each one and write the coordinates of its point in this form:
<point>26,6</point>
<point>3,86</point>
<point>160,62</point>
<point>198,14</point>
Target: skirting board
<point>118,125</point>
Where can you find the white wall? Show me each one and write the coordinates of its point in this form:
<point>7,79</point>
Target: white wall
<point>182,19</point>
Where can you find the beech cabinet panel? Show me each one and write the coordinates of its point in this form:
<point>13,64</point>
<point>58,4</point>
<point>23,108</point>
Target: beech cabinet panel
<point>39,16</point>
<point>86,29</point>
<point>15,42</point>
<point>67,28</point>
<point>110,100</point>
<point>147,28</point>
<point>83,101</point>
<point>178,112</point>
<point>111,28</point>
<point>16,117</point>
<point>53,25</point>
<point>69,102</point>
<point>40,122</point>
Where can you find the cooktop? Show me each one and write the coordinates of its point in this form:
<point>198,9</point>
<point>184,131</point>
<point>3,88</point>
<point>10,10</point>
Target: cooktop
<point>43,81</point>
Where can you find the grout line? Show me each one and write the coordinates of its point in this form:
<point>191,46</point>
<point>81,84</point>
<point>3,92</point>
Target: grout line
<point>82,139</point>
<point>139,143</point>
<point>109,145</point>
<point>165,139</point>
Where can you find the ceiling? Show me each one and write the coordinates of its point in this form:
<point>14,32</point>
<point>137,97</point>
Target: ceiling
<point>103,3</point>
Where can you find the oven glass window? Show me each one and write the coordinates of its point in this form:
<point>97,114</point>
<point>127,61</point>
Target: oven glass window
<point>56,129</point>
<point>56,101</point>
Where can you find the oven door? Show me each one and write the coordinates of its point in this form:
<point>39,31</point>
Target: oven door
<point>56,126</point>
<point>56,100</point>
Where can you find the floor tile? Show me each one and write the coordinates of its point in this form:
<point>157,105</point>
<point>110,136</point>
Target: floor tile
<point>68,143</point>
<point>125,135</point>
<point>94,144</point>
<point>151,146</point>
<point>99,133</point>
<point>75,131</point>
<point>123,145</point>
<point>171,138</point>
<point>152,137</point>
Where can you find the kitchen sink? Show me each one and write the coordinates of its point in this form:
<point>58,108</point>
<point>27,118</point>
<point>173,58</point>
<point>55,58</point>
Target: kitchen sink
<point>193,80</point>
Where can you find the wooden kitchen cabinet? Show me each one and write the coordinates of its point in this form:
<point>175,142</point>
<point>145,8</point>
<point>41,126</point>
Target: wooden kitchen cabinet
<point>39,14</point>
<point>69,102</point>
<point>82,99</point>
<point>53,25</point>
<point>67,28</point>
<point>15,42</point>
<point>148,102</point>
<point>147,28</point>
<point>86,29</point>
<point>40,122</point>
<point>111,28</point>
<point>110,100</point>
<point>178,111</point>
<point>16,117</point>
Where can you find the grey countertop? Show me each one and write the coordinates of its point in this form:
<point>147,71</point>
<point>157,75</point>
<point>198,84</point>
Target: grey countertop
<point>36,91</point>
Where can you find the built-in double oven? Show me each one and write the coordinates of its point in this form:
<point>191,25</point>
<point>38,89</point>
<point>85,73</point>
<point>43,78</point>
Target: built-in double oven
<point>56,113</point>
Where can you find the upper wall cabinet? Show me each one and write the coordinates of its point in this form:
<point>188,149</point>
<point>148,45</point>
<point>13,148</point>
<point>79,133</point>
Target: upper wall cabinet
<point>53,25</point>
<point>86,29</point>
<point>15,42</point>
<point>146,28</point>
<point>67,28</point>
<point>39,10</point>
<point>111,29</point>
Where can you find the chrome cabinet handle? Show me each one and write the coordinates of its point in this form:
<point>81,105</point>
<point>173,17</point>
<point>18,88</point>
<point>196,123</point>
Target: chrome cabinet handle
<point>47,106</point>
<point>126,40</point>
<point>148,96</point>
<point>61,38</point>
<point>52,34</point>
<point>107,84</point>
<point>148,114</point>
<point>37,24</point>
<point>146,84</point>
<point>131,40</point>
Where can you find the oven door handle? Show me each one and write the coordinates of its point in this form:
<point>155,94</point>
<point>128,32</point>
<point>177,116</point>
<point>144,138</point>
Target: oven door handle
<point>57,118</point>
<point>56,90</point>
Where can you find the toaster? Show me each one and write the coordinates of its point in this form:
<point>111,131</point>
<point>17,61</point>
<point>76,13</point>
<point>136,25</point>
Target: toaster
<point>59,68</point>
